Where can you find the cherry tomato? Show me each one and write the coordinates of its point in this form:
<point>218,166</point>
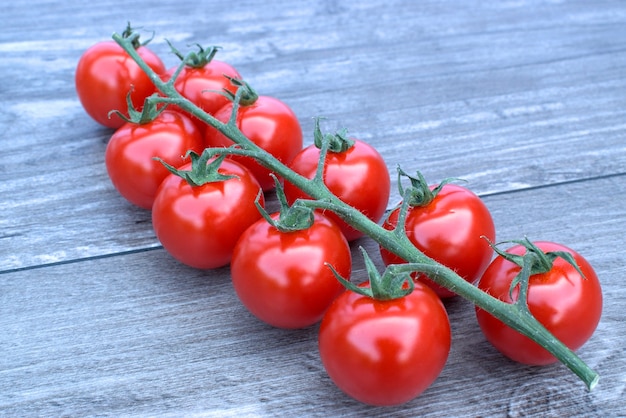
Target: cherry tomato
<point>449,229</point>
<point>200,225</point>
<point>358,176</point>
<point>281,277</point>
<point>568,305</point>
<point>204,83</point>
<point>129,154</point>
<point>106,74</point>
<point>270,124</point>
<point>385,352</point>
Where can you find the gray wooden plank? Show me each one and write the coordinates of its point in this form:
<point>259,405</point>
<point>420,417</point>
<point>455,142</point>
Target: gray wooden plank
<point>140,334</point>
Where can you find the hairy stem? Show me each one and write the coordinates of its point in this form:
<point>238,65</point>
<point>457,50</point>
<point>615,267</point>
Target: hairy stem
<point>511,314</point>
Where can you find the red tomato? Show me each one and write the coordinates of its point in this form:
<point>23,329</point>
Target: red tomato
<point>385,352</point>
<point>358,176</point>
<point>200,225</point>
<point>129,154</point>
<point>270,124</point>
<point>104,76</point>
<point>281,277</point>
<point>449,229</point>
<point>202,85</point>
<point>568,305</point>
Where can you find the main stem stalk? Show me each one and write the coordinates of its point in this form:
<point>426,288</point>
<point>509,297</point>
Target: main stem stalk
<point>510,314</point>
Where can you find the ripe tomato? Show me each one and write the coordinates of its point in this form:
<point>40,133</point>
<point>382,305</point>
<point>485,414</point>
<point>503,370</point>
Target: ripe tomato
<point>200,225</point>
<point>281,277</point>
<point>267,122</point>
<point>568,305</point>
<point>106,74</point>
<point>358,176</point>
<point>129,154</point>
<point>385,352</point>
<point>203,81</point>
<point>448,229</point>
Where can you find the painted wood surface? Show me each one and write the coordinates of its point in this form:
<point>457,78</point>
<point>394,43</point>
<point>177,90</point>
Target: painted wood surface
<point>524,99</point>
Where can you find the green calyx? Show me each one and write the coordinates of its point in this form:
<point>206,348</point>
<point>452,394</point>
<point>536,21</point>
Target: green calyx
<point>148,113</point>
<point>247,95</point>
<point>202,171</point>
<point>534,261</point>
<point>194,59</point>
<point>388,286</point>
<point>337,142</point>
<point>130,34</point>
<point>419,193</point>
<point>293,218</point>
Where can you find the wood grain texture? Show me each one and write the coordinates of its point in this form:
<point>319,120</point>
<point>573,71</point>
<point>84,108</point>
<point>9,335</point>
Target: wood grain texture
<point>525,99</point>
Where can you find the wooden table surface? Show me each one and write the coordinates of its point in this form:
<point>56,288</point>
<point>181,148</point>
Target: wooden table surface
<point>524,99</point>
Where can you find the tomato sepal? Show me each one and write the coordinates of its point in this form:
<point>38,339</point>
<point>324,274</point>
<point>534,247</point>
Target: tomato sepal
<point>534,261</point>
<point>388,286</point>
<point>130,34</point>
<point>198,59</point>
<point>419,193</point>
<point>246,95</point>
<point>338,142</point>
<point>203,169</point>
<point>148,113</point>
<point>294,218</point>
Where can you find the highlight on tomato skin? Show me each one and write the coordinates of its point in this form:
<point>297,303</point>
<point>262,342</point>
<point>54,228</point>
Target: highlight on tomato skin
<point>567,304</point>
<point>385,352</point>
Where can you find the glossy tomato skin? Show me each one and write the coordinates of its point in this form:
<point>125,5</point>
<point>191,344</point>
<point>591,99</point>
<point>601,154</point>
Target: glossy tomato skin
<point>385,353</point>
<point>568,305</point>
<point>449,229</point>
<point>130,151</point>
<point>281,277</point>
<point>202,85</point>
<point>104,76</point>
<point>358,176</point>
<point>199,226</point>
<point>270,124</point>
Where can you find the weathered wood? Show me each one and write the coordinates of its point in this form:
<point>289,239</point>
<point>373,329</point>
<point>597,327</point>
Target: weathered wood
<point>523,99</point>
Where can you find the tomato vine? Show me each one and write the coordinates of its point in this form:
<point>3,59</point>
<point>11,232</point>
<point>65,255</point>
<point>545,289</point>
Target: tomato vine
<point>394,240</point>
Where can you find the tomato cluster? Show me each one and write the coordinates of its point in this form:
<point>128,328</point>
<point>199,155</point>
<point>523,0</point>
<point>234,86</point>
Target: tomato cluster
<point>208,212</point>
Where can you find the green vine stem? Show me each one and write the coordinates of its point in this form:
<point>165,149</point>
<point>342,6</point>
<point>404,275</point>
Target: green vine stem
<point>395,241</point>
